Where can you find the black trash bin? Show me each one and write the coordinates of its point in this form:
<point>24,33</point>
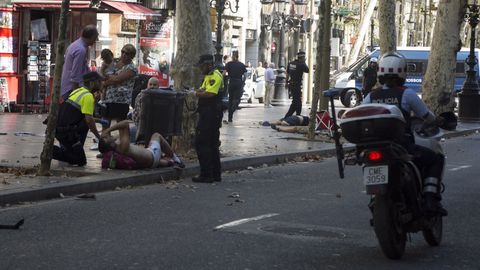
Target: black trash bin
<point>161,112</point>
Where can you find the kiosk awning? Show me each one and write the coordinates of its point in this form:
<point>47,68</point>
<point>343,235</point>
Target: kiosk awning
<point>131,11</point>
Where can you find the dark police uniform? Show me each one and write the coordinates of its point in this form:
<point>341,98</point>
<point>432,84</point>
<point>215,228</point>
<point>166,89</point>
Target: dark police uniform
<point>235,70</point>
<point>408,101</point>
<point>210,114</point>
<point>295,70</point>
<point>369,79</point>
<point>72,129</point>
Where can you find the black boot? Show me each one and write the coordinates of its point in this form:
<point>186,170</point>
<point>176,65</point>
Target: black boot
<point>432,197</point>
<point>432,205</point>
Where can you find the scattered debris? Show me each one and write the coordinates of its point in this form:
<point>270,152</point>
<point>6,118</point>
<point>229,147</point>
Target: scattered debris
<point>21,133</point>
<point>61,195</point>
<point>90,196</point>
<point>234,195</point>
<point>13,227</point>
<point>118,188</point>
<point>3,133</point>
<point>338,195</point>
<point>239,200</point>
<point>250,168</point>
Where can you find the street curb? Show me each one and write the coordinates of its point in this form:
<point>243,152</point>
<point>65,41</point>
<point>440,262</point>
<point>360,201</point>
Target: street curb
<point>109,182</point>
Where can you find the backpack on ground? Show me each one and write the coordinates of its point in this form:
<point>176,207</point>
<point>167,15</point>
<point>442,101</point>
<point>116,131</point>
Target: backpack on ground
<point>114,160</point>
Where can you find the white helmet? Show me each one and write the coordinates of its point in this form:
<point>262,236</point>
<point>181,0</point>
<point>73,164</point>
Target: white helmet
<point>373,60</point>
<point>392,64</point>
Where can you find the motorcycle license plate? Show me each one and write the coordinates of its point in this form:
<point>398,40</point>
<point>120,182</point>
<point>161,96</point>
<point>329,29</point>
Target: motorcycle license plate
<point>375,175</point>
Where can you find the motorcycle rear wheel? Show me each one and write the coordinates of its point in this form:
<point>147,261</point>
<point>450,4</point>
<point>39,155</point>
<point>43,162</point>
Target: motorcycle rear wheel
<point>391,236</point>
<point>433,234</point>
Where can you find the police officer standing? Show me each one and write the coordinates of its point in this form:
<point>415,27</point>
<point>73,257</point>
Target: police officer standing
<point>75,118</point>
<point>207,135</point>
<point>235,71</point>
<point>370,76</point>
<point>295,70</point>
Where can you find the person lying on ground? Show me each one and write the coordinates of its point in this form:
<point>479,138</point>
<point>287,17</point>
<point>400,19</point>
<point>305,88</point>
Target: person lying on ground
<point>293,120</point>
<point>150,157</point>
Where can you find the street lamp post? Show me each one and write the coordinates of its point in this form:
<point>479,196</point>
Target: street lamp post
<point>220,6</point>
<point>469,98</point>
<point>282,21</point>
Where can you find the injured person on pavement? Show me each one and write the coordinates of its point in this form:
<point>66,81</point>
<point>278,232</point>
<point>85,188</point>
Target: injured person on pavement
<point>157,154</point>
<point>292,124</point>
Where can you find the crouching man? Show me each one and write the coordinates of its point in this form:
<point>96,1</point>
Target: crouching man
<point>150,157</point>
<point>75,118</point>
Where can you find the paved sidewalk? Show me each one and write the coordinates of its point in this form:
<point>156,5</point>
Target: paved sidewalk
<point>245,143</point>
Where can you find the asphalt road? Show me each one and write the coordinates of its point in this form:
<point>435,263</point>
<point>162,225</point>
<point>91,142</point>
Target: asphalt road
<point>295,216</point>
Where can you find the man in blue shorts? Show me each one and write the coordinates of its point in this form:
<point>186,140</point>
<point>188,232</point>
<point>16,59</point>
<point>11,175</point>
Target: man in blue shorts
<point>150,157</point>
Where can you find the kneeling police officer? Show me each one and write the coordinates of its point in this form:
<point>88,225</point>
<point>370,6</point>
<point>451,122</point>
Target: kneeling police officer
<point>75,118</point>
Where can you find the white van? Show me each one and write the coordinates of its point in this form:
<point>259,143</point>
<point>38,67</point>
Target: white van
<point>349,81</point>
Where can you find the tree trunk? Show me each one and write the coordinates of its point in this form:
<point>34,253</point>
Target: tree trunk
<point>439,78</point>
<point>194,38</point>
<point>46,155</point>
<point>364,25</point>
<point>386,19</point>
<point>322,73</point>
<point>403,24</point>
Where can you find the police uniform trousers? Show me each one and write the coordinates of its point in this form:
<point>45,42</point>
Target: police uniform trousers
<point>72,140</point>
<point>295,89</point>
<point>235,91</point>
<point>207,139</point>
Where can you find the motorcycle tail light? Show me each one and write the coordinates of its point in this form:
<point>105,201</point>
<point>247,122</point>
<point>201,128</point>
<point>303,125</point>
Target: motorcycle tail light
<point>374,155</point>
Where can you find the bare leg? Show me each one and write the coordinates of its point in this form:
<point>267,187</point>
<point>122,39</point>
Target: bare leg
<point>166,149</point>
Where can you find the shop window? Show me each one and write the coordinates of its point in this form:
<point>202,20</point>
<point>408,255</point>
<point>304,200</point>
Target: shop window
<point>40,25</point>
<point>129,25</point>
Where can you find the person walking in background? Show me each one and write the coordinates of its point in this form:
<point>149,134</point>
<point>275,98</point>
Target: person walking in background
<point>370,76</point>
<point>75,118</point>
<point>76,61</point>
<point>295,70</point>
<point>269,84</point>
<point>210,113</point>
<point>259,72</point>
<point>235,71</point>
<point>120,86</point>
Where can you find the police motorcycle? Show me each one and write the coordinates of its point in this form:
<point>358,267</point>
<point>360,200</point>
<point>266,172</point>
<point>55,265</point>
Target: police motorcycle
<point>391,178</point>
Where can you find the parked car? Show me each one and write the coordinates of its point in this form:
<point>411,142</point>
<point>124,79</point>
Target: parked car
<point>254,88</point>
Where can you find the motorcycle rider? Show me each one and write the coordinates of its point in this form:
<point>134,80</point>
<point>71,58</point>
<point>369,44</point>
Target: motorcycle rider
<point>391,75</point>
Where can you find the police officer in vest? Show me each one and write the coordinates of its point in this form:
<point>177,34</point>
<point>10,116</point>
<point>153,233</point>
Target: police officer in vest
<point>295,70</point>
<point>75,118</point>
<point>392,75</point>
<point>210,113</point>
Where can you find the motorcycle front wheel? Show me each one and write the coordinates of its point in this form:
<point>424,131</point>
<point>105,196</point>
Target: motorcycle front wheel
<point>391,236</point>
<point>433,233</point>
